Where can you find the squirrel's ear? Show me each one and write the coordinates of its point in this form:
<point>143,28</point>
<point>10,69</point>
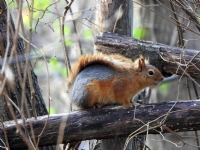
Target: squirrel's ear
<point>141,64</point>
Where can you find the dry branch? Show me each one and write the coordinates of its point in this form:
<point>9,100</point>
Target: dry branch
<point>166,58</point>
<point>109,122</point>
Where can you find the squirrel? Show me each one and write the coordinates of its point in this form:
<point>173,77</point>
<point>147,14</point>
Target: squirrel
<point>99,79</point>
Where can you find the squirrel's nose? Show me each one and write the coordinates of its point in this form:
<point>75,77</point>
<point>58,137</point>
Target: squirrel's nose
<point>161,78</point>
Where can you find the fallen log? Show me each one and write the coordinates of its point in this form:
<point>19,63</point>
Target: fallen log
<point>168,59</point>
<point>109,122</point>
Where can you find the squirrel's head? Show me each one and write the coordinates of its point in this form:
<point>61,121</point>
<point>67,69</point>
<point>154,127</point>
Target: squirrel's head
<point>148,73</point>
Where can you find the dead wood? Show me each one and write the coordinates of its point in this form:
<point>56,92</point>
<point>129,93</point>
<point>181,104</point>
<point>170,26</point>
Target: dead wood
<point>168,59</point>
<point>110,122</point>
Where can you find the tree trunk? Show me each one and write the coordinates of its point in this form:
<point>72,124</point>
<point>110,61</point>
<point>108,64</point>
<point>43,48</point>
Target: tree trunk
<point>116,16</point>
<point>19,69</point>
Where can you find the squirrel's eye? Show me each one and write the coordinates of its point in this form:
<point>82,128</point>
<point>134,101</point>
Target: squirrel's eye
<point>151,72</point>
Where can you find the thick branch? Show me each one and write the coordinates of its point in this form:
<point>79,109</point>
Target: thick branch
<point>109,122</point>
<point>166,58</point>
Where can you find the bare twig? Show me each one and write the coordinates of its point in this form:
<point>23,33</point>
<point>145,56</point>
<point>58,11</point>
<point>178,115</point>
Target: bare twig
<point>25,139</point>
<point>118,17</point>
<point>179,65</point>
<point>197,24</point>
<point>180,33</point>
<point>183,25</point>
<point>67,68</point>
<point>49,102</point>
<point>5,134</point>
<point>188,10</point>
<point>77,34</point>
<point>181,44</point>
<point>27,65</point>
<point>44,11</point>
<point>63,36</point>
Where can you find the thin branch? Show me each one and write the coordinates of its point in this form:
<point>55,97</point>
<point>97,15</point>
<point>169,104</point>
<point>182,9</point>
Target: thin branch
<point>184,71</point>
<point>180,33</point>
<point>186,27</point>
<point>188,10</point>
<point>63,36</point>
<point>25,139</point>
<point>49,102</point>
<point>77,34</point>
<point>4,132</point>
<point>197,24</point>
<point>44,11</point>
<point>27,65</point>
<point>118,17</point>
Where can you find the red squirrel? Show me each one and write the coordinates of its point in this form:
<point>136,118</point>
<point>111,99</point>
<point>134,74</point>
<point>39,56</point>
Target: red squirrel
<point>97,80</point>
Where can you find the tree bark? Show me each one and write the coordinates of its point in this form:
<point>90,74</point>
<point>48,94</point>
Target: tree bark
<point>168,59</point>
<point>18,69</point>
<point>111,122</point>
<point>115,16</point>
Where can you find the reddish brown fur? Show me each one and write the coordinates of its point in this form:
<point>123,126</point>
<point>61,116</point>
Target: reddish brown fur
<point>121,88</point>
<point>107,60</point>
<point>118,90</point>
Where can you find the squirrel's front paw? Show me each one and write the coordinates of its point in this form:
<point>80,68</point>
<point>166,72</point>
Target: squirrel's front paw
<point>131,105</point>
<point>97,105</point>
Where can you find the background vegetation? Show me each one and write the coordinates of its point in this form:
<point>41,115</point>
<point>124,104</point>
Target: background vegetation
<point>153,21</point>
